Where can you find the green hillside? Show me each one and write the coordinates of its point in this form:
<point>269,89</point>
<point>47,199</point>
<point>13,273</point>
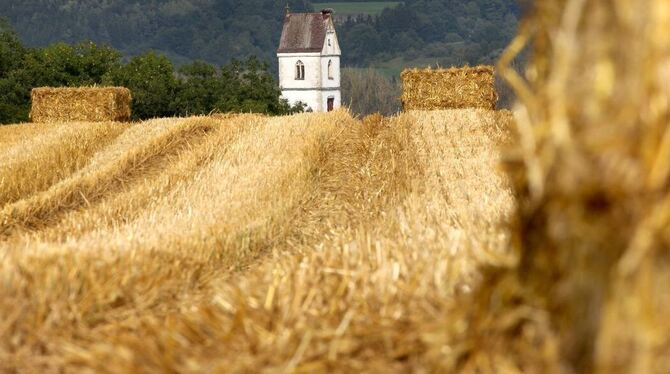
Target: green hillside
<point>356,8</point>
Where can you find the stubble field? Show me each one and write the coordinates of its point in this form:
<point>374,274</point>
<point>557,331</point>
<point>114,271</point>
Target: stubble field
<point>325,243</point>
<point>245,243</point>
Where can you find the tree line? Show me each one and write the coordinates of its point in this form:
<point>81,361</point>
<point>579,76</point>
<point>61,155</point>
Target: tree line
<point>453,32</point>
<point>159,89</point>
<point>215,31</point>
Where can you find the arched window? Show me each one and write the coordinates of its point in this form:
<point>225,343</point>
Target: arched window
<point>299,71</point>
<point>330,69</point>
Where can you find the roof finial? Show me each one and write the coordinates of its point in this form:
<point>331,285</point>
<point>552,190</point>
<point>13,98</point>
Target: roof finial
<point>288,10</point>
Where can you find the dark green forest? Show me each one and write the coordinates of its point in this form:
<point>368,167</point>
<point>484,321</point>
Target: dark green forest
<point>450,32</point>
<point>182,57</point>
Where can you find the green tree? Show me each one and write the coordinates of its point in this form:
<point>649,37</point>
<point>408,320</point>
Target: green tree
<point>60,64</point>
<point>199,89</point>
<point>11,49</point>
<point>249,87</point>
<point>241,86</point>
<point>151,79</point>
<point>14,106</point>
<point>14,100</point>
<point>360,42</point>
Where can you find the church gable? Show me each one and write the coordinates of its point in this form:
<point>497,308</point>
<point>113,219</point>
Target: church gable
<point>331,45</point>
<point>305,32</point>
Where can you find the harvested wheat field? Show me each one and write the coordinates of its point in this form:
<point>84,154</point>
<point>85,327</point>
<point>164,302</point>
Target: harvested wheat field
<point>464,240</point>
<point>309,242</point>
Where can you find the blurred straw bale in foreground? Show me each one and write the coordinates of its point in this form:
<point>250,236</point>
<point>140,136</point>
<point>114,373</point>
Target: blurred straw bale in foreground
<point>593,178</point>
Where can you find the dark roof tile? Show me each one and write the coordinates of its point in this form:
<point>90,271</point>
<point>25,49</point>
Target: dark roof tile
<point>303,32</point>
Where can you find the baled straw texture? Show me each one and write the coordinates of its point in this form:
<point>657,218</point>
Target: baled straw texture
<point>91,104</point>
<point>453,88</point>
<point>590,289</point>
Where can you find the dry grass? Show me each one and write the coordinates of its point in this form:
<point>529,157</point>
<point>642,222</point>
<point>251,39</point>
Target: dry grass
<point>67,104</point>
<point>43,155</point>
<point>10,135</point>
<point>251,243</point>
<point>105,171</point>
<point>453,88</point>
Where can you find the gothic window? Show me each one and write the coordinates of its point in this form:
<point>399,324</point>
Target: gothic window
<point>330,69</point>
<point>299,71</point>
<point>329,42</point>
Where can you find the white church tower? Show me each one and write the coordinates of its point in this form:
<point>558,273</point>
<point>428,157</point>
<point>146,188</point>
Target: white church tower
<point>309,60</point>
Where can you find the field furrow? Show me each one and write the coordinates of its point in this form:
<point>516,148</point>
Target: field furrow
<point>48,155</point>
<point>302,243</point>
<point>114,166</point>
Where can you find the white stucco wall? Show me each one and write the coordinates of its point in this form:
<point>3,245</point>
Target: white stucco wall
<point>287,70</point>
<point>325,81</point>
<point>311,98</point>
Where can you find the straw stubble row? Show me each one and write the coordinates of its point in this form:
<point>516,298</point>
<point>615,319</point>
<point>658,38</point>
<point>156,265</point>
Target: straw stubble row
<point>308,242</point>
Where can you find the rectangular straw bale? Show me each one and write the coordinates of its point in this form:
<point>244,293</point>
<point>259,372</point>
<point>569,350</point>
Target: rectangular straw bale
<point>453,88</point>
<point>87,104</point>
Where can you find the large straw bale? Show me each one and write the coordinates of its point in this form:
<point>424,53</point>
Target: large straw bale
<point>91,104</point>
<point>453,88</point>
<point>589,292</point>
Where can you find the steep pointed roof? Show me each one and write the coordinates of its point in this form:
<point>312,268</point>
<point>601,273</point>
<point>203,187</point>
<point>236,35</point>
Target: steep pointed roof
<point>304,32</point>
